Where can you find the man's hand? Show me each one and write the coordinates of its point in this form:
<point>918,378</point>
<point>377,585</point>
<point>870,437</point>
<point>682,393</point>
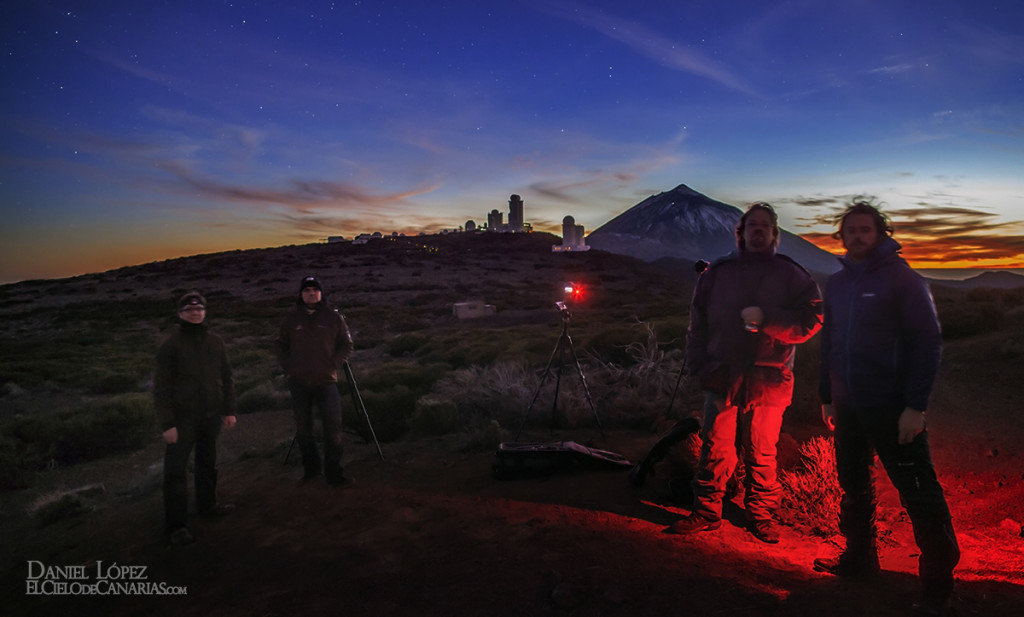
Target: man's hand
<point>911,425</point>
<point>171,435</point>
<point>229,422</point>
<point>828,416</point>
<point>752,316</point>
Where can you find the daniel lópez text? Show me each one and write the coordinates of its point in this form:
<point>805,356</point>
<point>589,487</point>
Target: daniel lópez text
<point>95,579</point>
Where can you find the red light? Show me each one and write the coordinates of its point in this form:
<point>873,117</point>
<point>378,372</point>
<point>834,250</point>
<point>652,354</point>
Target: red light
<point>573,292</point>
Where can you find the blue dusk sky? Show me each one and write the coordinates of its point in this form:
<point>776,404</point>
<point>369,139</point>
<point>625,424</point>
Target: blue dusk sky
<point>139,131</point>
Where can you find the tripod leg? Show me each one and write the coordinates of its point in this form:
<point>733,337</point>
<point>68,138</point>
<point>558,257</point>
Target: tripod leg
<point>586,390</point>
<point>679,379</point>
<point>558,384</point>
<point>536,394</point>
<point>289,454</point>
<point>357,399</point>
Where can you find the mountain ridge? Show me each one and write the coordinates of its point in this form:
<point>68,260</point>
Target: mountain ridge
<point>689,225</point>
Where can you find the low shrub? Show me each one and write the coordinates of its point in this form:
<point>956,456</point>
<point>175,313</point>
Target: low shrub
<point>486,438</point>
<point>389,412</point>
<point>110,382</point>
<point>18,459</point>
<point>119,424</point>
<point>964,319</point>
<point>435,416</point>
<point>263,397</point>
<point>408,343</point>
<point>94,430</point>
<point>416,377</point>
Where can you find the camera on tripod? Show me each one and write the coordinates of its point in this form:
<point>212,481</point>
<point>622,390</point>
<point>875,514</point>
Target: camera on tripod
<point>564,310</point>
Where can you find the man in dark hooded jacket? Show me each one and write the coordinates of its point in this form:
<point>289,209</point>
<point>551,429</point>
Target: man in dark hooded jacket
<point>194,397</point>
<point>313,342</point>
<point>880,353</point>
<point>749,311</point>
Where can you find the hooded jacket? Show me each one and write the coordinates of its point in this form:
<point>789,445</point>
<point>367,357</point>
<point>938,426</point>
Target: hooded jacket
<point>882,342</point>
<point>193,377</point>
<point>751,367</point>
<point>312,345</point>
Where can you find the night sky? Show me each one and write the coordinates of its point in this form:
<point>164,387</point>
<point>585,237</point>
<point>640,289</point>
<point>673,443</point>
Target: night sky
<point>138,131</point>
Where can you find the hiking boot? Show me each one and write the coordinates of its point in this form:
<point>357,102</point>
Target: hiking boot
<point>218,510</point>
<point>341,482</point>
<point>693,524</point>
<point>180,537</point>
<point>765,530</point>
<point>849,565</point>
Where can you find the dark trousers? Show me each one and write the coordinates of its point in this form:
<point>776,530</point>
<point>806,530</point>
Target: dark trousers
<point>327,400</point>
<point>201,435</point>
<point>861,433</point>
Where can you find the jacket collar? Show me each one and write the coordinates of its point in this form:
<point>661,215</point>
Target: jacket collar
<point>887,250</point>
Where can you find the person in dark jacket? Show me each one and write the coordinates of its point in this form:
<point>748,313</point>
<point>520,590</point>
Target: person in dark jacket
<point>749,311</point>
<point>313,342</point>
<point>194,397</point>
<point>880,353</point>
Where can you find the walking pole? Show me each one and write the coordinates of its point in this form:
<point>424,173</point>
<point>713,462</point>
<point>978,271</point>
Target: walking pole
<point>358,400</point>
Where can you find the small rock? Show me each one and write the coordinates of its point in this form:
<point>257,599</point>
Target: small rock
<point>11,389</point>
<point>1012,526</point>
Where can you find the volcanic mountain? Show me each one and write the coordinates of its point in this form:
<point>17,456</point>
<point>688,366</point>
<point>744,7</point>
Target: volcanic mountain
<point>685,224</point>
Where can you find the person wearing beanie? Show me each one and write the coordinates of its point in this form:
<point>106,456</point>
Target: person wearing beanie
<point>313,342</point>
<point>194,398</point>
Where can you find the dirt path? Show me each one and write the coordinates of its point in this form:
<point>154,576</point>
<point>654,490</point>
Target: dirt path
<point>429,532</point>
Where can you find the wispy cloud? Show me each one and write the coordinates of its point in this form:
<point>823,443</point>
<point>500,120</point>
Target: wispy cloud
<point>892,69</point>
<point>648,43</point>
<point>930,233</point>
<point>298,194</point>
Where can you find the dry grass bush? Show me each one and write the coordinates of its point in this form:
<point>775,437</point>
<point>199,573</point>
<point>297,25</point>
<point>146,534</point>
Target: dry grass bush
<point>637,392</point>
<point>811,494</point>
<point>634,394</point>
<point>478,395</point>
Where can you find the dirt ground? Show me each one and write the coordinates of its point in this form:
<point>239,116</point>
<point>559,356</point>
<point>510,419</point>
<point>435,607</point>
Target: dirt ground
<point>429,531</point>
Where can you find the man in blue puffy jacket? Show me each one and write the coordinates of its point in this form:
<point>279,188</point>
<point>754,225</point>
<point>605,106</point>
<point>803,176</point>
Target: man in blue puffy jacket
<point>880,352</point>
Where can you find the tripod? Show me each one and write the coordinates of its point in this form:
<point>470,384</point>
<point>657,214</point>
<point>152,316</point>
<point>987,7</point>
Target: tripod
<point>357,400</point>
<point>564,342</point>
